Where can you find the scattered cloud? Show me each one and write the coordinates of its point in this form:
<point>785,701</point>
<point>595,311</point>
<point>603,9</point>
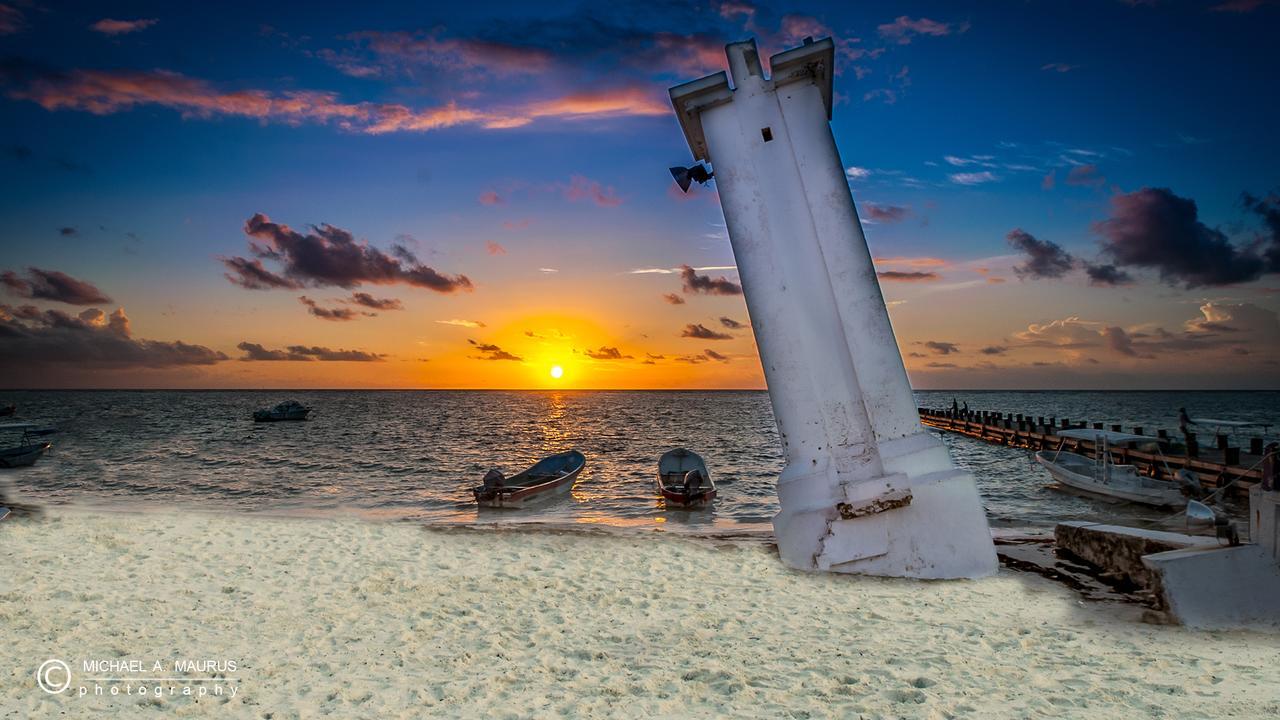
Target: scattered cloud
<point>328,256</point>
<point>994,350</point>
<point>884,213</point>
<point>857,173</point>
<point>1238,6</point>
<point>68,232</point>
<point>903,29</point>
<point>107,26</point>
<point>1045,259</point>
<point>494,248</point>
<point>12,21</point>
<point>105,92</point>
<point>491,197</point>
<point>942,348</point>
<point>673,299</point>
<point>1085,176</point>
<point>252,275</point>
<point>52,285</point>
<point>693,283</point>
<point>369,301</point>
<point>914,262</point>
<point>462,323</point>
<point>731,323</point>
<point>492,352</point>
<point>701,332</point>
<point>334,314</point>
<point>91,340</point>
<point>908,276</point>
<point>1105,275</point>
<point>713,355</point>
<point>305,353</point>
<point>583,188</point>
<point>607,353</point>
<point>1156,229</point>
<point>973,178</point>
<point>1058,67</point>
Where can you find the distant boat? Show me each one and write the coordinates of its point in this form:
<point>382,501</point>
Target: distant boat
<point>683,480</point>
<point>1102,477</point>
<point>28,449</point>
<point>8,410</point>
<point>549,476</point>
<point>288,410</point>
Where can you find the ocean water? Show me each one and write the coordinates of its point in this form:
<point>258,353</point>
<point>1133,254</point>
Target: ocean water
<point>412,455</point>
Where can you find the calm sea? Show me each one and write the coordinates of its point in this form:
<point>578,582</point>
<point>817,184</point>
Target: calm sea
<point>412,455</point>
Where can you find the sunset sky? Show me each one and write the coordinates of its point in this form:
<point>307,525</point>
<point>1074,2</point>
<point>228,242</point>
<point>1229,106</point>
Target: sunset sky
<point>1059,194</point>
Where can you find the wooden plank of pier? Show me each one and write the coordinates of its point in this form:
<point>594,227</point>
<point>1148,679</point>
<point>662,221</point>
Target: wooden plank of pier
<point>1211,466</point>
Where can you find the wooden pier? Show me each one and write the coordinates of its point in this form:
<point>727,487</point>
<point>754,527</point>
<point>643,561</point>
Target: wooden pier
<point>1215,467</point>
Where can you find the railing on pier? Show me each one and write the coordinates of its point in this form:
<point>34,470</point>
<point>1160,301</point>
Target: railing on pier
<point>1214,467</point>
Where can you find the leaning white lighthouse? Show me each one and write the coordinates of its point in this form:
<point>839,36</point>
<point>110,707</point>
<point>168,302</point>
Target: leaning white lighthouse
<point>865,489</point>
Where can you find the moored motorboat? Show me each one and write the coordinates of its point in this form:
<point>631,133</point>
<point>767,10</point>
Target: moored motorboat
<point>288,410</point>
<point>550,476</point>
<point>1101,476</point>
<point>29,447</point>
<point>683,480</point>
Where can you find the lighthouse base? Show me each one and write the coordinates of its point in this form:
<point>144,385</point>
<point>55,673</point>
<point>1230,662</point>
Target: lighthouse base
<point>938,532</point>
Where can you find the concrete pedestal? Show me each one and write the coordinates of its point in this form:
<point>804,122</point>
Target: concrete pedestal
<point>866,489</point>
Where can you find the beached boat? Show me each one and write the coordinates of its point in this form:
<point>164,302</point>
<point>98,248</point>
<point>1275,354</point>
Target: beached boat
<point>1101,476</point>
<point>29,448</point>
<point>547,478</point>
<point>683,480</point>
<point>288,410</point>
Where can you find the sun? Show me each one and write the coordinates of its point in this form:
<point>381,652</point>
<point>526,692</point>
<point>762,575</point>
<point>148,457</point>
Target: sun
<point>557,372</point>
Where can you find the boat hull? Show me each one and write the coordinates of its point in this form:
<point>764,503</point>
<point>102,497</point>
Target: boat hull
<point>23,456</point>
<point>518,497</point>
<point>680,501</point>
<point>1170,496</point>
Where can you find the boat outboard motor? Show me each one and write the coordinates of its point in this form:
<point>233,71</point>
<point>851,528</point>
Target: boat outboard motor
<point>1203,517</point>
<point>692,484</point>
<point>493,479</point>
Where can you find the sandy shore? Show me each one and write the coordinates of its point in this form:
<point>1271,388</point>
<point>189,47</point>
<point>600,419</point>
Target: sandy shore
<point>353,619</point>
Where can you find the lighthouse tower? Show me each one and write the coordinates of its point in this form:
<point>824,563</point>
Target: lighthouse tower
<point>866,489</point>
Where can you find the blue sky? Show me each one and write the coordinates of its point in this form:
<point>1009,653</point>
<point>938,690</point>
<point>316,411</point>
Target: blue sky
<point>502,141</point>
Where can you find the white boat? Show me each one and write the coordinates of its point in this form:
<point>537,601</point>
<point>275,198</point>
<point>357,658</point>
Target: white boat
<point>1103,477</point>
<point>29,447</point>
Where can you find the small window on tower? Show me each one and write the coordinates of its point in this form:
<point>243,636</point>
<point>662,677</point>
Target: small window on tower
<point>766,133</point>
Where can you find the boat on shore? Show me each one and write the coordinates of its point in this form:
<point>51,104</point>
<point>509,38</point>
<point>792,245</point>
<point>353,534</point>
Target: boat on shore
<point>550,476</point>
<point>29,448</point>
<point>1100,476</point>
<point>285,411</point>
<point>683,480</point>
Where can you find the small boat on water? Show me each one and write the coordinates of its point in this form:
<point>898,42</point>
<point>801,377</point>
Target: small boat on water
<point>1101,476</point>
<point>29,448</point>
<point>548,477</point>
<point>288,410</point>
<point>683,480</point>
<point>8,410</point>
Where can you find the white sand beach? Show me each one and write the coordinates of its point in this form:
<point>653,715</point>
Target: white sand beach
<point>353,619</point>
